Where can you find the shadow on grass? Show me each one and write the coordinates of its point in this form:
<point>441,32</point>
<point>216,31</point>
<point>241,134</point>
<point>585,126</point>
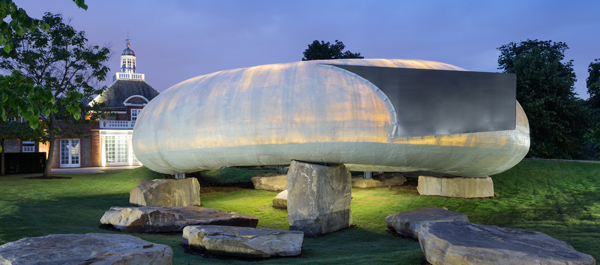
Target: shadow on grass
<point>60,216</point>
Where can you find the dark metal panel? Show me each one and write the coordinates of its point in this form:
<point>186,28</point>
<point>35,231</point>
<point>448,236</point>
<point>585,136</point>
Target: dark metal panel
<point>439,102</point>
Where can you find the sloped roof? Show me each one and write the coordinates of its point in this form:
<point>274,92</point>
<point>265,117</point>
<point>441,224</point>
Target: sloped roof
<point>116,94</point>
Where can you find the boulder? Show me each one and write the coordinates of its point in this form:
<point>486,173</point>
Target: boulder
<point>166,193</point>
<point>318,198</point>
<point>171,219</point>
<point>410,222</point>
<point>456,187</point>
<point>379,181</point>
<point>90,248</point>
<point>243,242</point>
<point>453,243</point>
<point>271,181</point>
<point>280,201</point>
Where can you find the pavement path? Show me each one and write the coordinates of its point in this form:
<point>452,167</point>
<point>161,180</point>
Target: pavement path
<point>86,170</point>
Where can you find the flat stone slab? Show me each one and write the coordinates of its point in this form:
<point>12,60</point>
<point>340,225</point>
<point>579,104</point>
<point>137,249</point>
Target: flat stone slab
<point>166,193</point>
<point>270,181</point>
<point>171,219</point>
<point>409,223</point>
<point>280,201</point>
<point>244,242</point>
<point>90,248</point>
<point>379,181</point>
<point>456,187</point>
<point>465,243</point>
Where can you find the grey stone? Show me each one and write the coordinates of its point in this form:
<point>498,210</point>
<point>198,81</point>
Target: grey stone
<point>318,198</point>
<point>379,181</point>
<point>171,219</point>
<point>93,248</point>
<point>410,222</point>
<point>456,187</point>
<point>270,181</point>
<point>280,201</point>
<point>243,242</point>
<point>457,243</point>
<point>166,193</point>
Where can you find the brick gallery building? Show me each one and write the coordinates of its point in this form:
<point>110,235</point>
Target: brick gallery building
<point>105,142</point>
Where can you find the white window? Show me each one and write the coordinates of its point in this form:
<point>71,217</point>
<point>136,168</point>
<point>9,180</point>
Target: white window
<point>116,149</point>
<point>69,153</point>
<point>28,146</point>
<point>17,119</point>
<point>135,113</point>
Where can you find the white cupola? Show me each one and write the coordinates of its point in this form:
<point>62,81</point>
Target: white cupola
<point>128,66</point>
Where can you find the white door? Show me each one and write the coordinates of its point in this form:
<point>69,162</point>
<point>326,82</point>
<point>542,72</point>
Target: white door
<point>116,150</point>
<point>69,153</point>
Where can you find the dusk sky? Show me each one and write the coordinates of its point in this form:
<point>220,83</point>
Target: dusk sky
<point>177,40</point>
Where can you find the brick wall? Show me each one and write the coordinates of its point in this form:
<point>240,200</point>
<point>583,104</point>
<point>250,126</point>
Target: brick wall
<point>12,146</point>
<point>95,149</point>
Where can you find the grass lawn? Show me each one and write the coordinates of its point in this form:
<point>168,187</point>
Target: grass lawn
<point>561,199</point>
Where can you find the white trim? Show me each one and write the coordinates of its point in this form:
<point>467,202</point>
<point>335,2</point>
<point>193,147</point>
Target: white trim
<point>28,146</point>
<point>116,132</point>
<point>70,153</point>
<point>116,124</point>
<point>134,105</point>
<point>135,96</point>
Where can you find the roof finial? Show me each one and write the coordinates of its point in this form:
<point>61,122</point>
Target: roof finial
<point>128,39</point>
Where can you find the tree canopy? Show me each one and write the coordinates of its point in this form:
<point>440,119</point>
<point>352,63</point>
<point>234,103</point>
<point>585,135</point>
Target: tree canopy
<point>20,22</point>
<point>63,70</point>
<point>593,83</point>
<point>325,50</point>
<point>545,88</point>
<point>15,85</point>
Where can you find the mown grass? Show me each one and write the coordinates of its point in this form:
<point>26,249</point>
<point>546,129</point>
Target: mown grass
<point>561,199</point>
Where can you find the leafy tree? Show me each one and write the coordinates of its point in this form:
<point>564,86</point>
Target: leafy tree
<point>16,85</point>
<point>593,84</point>
<point>20,22</point>
<point>593,89</point>
<point>64,70</point>
<point>325,50</point>
<point>558,120</point>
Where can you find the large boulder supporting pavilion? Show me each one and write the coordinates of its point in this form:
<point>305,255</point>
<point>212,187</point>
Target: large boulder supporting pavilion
<point>409,223</point>
<point>166,192</point>
<point>243,241</point>
<point>271,181</point>
<point>457,243</point>
<point>89,249</point>
<point>456,187</point>
<point>318,198</point>
<point>171,219</point>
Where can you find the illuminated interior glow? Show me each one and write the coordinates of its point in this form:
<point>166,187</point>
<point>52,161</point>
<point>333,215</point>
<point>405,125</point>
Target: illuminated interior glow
<point>270,114</point>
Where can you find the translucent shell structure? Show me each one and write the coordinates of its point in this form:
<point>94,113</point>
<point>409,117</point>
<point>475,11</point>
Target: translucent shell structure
<point>309,111</point>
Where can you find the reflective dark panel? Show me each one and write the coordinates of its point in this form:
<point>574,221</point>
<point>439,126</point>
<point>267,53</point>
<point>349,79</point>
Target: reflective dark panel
<point>441,102</point>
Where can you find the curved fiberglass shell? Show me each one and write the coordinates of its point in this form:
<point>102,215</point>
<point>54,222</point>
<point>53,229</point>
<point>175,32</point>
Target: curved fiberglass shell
<point>309,111</point>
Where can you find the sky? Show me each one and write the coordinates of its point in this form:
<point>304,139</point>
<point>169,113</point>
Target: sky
<point>180,39</point>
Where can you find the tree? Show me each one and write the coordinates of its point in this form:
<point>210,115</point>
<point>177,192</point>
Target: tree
<point>593,84</point>
<point>558,120</point>
<point>64,70</point>
<point>593,89</point>
<point>15,85</point>
<point>325,50</point>
<point>20,22</point>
